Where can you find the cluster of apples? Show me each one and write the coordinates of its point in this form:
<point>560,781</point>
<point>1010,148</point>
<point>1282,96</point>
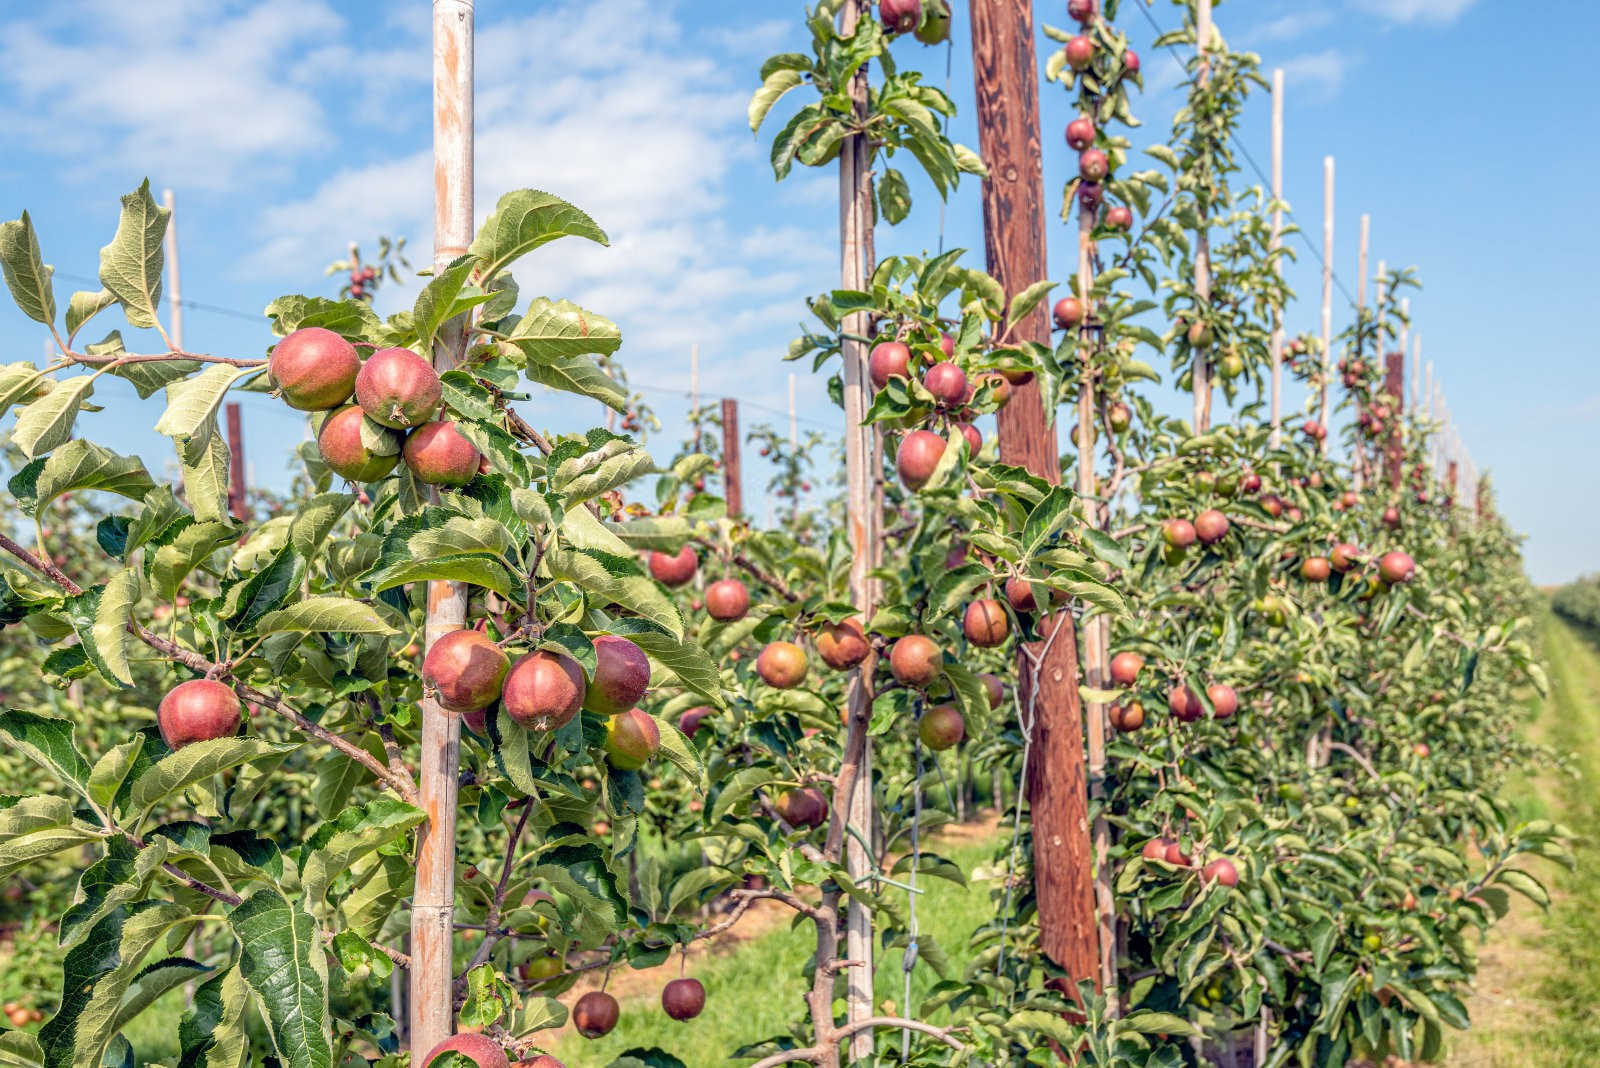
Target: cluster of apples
<point>398,398</point>
<point>929,20</point>
<point>1094,166</point>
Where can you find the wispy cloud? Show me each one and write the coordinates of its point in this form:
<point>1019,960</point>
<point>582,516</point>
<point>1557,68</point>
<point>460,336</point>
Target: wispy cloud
<point>1290,26</point>
<point>1322,72</point>
<point>1435,11</point>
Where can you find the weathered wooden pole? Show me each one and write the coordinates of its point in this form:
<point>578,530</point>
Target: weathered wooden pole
<point>1327,295</point>
<point>236,476</point>
<point>1005,73</point>
<point>1276,344</point>
<point>1394,384</point>
<point>732,480</point>
<point>433,900</point>
<point>864,520</point>
<point>1201,372</point>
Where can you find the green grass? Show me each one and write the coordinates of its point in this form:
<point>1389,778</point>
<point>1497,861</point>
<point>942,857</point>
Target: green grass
<point>756,991</point>
<point>1560,980</point>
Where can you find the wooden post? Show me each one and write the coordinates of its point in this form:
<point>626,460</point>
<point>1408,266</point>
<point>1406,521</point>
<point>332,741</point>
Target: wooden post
<point>1006,77</point>
<point>433,900</point>
<point>174,287</point>
<point>864,515</point>
<point>1277,240</point>
<point>1394,384</point>
<point>732,483</point>
<point>236,479</point>
<point>1327,295</point>
<point>1361,267</point>
<point>1201,372</point>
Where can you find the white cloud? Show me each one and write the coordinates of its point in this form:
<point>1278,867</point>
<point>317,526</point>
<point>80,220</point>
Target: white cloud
<point>168,86</point>
<point>1288,27</point>
<point>1436,11</point>
<point>1323,72</point>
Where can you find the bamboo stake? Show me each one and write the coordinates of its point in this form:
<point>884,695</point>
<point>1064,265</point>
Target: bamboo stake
<point>1201,372</point>
<point>433,900</point>
<point>174,287</point>
<point>1277,240</point>
<point>855,235</point>
<point>1327,295</point>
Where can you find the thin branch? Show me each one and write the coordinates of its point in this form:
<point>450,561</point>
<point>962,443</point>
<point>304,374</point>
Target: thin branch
<point>44,567</point>
<point>491,919</point>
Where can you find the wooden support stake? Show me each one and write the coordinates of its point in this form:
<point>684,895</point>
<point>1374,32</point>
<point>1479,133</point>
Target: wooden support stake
<point>433,900</point>
<point>1327,296</point>
<point>1394,384</point>
<point>863,516</point>
<point>236,477</point>
<point>1276,241</point>
<point>1005,73</point>
<point>174,286</point>
<point>732,482</point>
<point>1201,371</point>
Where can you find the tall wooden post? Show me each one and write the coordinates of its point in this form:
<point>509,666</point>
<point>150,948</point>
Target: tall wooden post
<point>174,286</point>
<point>1276,241</point>
<point>1201,372</point>
<point>863,516</point>
<point>236,477</point>
<point>433,900</point>
<point>1327,295</point>
<point>1394,384</point>
<point>1005,72</point>
<point>732,480</point>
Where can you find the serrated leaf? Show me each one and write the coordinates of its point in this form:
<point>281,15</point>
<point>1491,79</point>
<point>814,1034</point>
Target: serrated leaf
<point>378,891</point>
<point>192,403</point>
<point>356,832</point>
<point>25,272</point>
<point>79,465</point>
<point>47,422</point>
<point>618,580</point>
<point>436,303</point>
<point>48,743</point>
<point>83,306</point>
<point>678,749</point>
<point>111,770</point>
<point>285,967</point>
<point>324,615</point>
<point>522,221</point>
<point>100,615</point>
<point>775,83</point>
<point>687,659</point>
<point>206,479</point>
<point>315,519</point>
<point>17,380</point>
<point>130,266</point>
<point>194,763</point>
<point>210,1033</point>
<point>155,980</point>
<point>349,318</point>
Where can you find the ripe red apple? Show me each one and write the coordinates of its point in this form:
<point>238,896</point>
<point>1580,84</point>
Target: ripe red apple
<point>689,722</point>
<point>543,690</point>
<point>1081,10</point>
<point>993,689</point>
<point>1221,871</point>
<point>947,344</point>
<point>1396,567</point>
<point>438,455</point>
<point>1119,217</point>
<point>985,623</point>
<point>482,1050</point>
<point>1090,194</point>
<point>1316,568</point>
<point>339,442</point>
<point>888,359</point>
<point>621,676</point>
<point>916,661</point>
<point>683,999</point>
<point>782,665</point>
<point>900,16</point>
<point>842,645</point>
<point>1130,61</point>
<point>1020,595</point>
<point>1080,52</point>
<point>1313,430</point>
<point>1391,518</point>
<point>727,600</point>
<point>1125,668</point>
<point>1224,701</point>
<point>1068,313</point>
<point>1127,719</point>
<point>314,369</point>
<point>543,1060</point>
<point>947,383</point>
<point>941,727</point>
<point>1250,483</point>
<point>1344,557</point>
<point>1422,749</point>
<point>466,669</point>
<point>595,1014</point>
<point>398,388</point>
<point>1176,856</point>
<point>632,739</point>
<point>1272,504</point>
<point>1185,704</point>
<point>1179,533</point>
<point>1211,526</point>
<point>674,570</point>
<point>918,456</point>
<point>197,711</point>
<point>973,435</point>
<point>1093,165</point>
<point>805,807</point>
<point>1080,133</point>
<point>1155,849</point>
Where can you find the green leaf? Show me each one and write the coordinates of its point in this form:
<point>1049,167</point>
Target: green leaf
<point>130,267</point>
<point>193,763</point>
<point>324,615</point>
<point>148,377</point>
<point>27,849</point>
<point>206,479</point>
<point>554,330</point>
<point>1157,1023</point>
<point>1106,548</point>
<point>894,196</point>
<point>615,579</point>
<point>738,787</point>
<point>685,658</point>
<point>315,519</point>
<point>474,569</point>
<point>1046,518</point>
<point>210,1033</point>
<point>522,221</point>
<point>1027,300</point>
<point>192,404</point>
<point>659,532</point>
<point>19,1049</point>
<point>171,563</point>
<point>48,743</point>
<point>100,615</point>
<point>615,463</point>
<point>349,318</point>
<point>32,814</point>
<point>47,422</point>
<point>436,303</point>
<point>511,753</point>
<point>286,969</point>
<point>79,465</point>
<point>17,380</point>
<point>25,272</point>
<point>678,749</point>
<point>1526,885</point>
<point>358,831</point>
<point>156,979</point>
<point>83,306</point>
<point>111,770</point>
<point>379,888</point>
<point>773,86</point>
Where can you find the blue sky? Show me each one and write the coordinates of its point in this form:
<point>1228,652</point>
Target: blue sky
<point>290,127</point>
